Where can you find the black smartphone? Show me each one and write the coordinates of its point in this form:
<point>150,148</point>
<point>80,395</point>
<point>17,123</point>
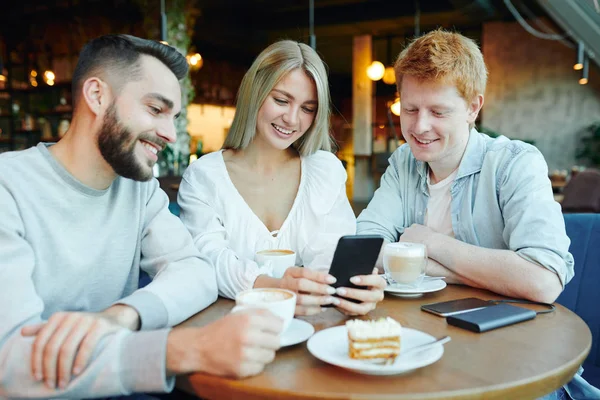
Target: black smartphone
<point>453,307</point>
<point>354,255</point>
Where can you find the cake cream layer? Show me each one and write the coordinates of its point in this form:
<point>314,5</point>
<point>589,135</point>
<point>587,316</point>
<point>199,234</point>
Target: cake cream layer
<point>377,352</point>
<point>373,329</point>
<point>370,345</point>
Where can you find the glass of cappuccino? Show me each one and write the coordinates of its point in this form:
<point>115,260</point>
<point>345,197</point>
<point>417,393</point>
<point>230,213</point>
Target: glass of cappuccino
<point>405,263</point>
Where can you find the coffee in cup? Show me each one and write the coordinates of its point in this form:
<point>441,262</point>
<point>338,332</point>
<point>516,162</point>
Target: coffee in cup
<point>278,259</point>
<point>280,302</point>
<point>405,263</point>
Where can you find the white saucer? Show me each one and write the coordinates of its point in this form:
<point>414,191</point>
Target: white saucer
<point>408,291</point>
<point>331,345</point>
<point>297,332</point>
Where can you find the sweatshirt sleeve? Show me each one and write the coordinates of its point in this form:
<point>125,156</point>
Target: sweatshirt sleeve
<point>199,212</point>
<point>123,362</point>
<point>184,281</point>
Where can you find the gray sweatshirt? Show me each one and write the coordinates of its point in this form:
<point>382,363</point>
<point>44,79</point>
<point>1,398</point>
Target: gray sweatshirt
<point>67,247</point>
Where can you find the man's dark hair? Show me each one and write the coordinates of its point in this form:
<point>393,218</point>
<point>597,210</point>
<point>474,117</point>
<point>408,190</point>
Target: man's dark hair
<point>120,56</point>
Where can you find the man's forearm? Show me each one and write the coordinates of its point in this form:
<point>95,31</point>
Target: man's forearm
<point>179,359</point>
<point>501,271</point>
<point>434,268</point>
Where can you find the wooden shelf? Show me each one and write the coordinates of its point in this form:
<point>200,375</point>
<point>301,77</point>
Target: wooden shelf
<point>26,131</point>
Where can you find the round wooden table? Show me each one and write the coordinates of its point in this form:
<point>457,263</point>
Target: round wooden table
<point>522,361</point>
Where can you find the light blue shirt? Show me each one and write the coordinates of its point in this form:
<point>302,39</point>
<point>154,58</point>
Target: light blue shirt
<point>501,199</point>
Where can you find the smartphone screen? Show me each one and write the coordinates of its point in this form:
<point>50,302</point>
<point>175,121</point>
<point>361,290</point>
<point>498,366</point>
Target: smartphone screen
<point>454,307</point>
<point>354,255</point>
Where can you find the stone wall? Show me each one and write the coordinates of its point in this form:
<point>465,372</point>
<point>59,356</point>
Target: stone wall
<point>533,92</point>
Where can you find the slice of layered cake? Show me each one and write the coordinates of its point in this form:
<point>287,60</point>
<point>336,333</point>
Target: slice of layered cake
<point>375,339</point>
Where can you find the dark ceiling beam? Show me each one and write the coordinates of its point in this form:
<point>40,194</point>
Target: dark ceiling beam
<point>383,27</point>
<point>476,7</point>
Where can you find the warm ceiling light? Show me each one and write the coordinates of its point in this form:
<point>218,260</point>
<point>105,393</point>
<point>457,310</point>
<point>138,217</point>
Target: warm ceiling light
<point>195,61</point>
<point>2,78</point>
<point>389,76</point>
<point>49,76</point>
<point>395,107</point>
<point>375,71</point>
<point>585,72</point>
<point>580,56</point>
<point>33,73</point>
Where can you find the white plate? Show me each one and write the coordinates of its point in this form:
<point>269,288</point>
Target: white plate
<point>331,345</point>
<point>297,332</point>
<point>408,291</point>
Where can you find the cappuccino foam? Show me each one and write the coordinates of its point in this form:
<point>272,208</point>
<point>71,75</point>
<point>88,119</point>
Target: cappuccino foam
<point>405,262</point>
<point>264,296</point>
<point>278,252</point>
<point>404,249</point>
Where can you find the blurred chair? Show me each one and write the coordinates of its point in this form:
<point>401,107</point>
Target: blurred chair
<point>170,184</point>
<point>582,193</point>
<point>582,294</point>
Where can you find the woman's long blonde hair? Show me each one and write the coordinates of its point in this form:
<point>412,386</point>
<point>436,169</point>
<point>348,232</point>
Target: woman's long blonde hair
<point>271,65</point>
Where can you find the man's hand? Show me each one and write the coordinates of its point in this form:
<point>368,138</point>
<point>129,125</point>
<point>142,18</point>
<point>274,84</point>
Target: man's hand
<point>368,297</point>
<point>238,345</point>
<point>418,234</point>
<point>65,343</point>
<point>311,287</point>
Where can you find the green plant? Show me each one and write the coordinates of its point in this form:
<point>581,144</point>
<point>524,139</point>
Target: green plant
<point>181,17</point>
<point>590,146</point>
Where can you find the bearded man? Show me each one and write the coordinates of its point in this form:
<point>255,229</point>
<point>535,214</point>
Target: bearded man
<point>78,221</point>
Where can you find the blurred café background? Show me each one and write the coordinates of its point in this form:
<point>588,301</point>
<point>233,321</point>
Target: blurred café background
<point>543,58</point>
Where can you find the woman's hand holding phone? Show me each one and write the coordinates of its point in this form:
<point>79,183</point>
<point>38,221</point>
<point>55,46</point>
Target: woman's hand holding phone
<point>367,298</point>
<point>311,287</point>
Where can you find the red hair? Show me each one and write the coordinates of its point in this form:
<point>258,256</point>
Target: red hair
<point>447,57</point>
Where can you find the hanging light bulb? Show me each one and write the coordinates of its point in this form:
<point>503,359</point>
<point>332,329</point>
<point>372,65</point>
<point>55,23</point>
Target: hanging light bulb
<point>585,72</point>
<point>389,76</point>
<point>2,76</point>
<point>580,55</point>
<point>32,78</point>
<point>49,78</point>
<point>395,107</point>
<point>195,61</point>
<point>375,71</point>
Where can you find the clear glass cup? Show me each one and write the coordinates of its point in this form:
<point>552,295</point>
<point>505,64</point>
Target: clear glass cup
<point>404,263</point>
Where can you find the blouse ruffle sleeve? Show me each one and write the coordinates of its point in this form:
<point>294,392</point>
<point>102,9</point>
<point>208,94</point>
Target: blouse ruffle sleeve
<point>201,198</point>
<point>329,208</point>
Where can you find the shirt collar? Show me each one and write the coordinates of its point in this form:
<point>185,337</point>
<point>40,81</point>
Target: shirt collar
<point>471,162</point>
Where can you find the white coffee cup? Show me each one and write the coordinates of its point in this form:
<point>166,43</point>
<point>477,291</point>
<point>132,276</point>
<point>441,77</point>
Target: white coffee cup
<point>281,302</point>
<point>405,262</point>
<point>279,259</point>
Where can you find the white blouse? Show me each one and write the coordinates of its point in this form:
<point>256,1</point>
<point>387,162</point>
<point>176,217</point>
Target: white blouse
<point>226,230</point>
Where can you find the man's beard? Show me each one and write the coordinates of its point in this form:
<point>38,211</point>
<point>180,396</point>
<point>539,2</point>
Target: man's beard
<point>117,145</point>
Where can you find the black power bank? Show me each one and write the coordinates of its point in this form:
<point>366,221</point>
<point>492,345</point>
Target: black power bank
<point>489,318</point>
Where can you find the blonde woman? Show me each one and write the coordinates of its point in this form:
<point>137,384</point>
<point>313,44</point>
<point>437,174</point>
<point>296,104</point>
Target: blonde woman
<point>276,185</point>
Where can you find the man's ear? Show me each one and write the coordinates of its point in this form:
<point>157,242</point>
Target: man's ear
<point>95,94</point>
<point>474,108</point>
